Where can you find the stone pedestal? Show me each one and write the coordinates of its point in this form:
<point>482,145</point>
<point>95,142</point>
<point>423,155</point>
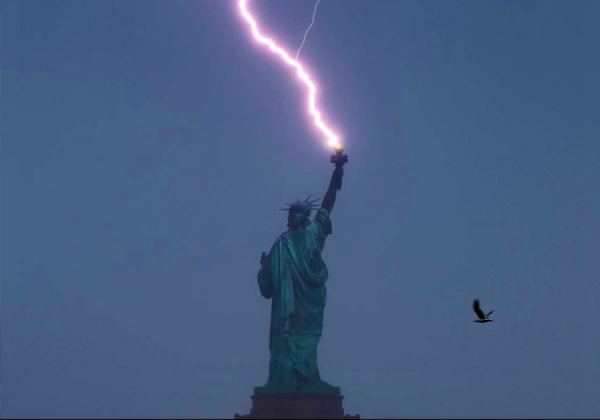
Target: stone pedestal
<point>296,406</point>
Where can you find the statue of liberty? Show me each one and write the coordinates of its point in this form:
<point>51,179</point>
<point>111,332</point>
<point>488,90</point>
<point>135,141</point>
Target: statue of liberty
<point>293,276</point>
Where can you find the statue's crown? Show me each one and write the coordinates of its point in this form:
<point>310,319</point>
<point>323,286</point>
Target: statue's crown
<point>302,207</point>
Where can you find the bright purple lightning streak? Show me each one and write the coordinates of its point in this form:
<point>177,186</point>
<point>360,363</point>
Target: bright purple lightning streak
<point>332,139</point>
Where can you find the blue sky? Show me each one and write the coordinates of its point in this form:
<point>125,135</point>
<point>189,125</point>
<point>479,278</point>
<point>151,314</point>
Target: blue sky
<point>146,147</point>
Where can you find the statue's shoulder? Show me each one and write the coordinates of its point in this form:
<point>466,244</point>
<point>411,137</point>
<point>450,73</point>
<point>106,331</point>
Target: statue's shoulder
<point>285,236</point>
<point>322,222</point>
<point>323,211</point>
<point>322,215</point>
<point>282,242</point>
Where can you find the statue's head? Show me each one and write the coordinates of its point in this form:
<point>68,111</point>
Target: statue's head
<point>299,213</point>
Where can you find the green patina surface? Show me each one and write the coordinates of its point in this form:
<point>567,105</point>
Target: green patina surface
<point>293,276</point>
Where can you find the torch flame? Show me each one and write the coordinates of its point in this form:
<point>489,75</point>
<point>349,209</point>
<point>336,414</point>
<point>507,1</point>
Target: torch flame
<point>332,138</point>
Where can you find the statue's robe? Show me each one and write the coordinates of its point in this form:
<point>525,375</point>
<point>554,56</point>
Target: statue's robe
<point>294,277</point>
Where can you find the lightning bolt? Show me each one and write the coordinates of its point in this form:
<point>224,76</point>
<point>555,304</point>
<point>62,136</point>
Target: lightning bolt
<point>305,78</point>
<point>309,26</point>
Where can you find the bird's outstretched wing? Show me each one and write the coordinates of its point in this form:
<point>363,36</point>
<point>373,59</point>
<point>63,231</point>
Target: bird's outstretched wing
<point>489,313</point>
<point>478,310</point>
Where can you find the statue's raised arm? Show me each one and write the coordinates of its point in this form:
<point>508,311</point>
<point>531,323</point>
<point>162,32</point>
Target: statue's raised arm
<point>335,184</point>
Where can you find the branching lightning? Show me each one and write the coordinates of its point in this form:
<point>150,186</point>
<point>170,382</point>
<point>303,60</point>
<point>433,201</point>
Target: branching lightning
<point>309,26</point>
<point>332,138</point>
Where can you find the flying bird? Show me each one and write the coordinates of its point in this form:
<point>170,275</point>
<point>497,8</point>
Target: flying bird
<point>483,318</point>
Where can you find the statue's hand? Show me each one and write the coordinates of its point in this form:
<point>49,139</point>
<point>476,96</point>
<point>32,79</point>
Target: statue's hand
<point>263,259</point>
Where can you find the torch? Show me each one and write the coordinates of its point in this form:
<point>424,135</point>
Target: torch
<point>339,159</point>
